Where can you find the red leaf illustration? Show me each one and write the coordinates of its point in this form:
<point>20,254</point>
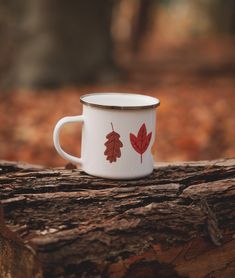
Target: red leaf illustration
<point>141,142</point>
<point>113,146</point>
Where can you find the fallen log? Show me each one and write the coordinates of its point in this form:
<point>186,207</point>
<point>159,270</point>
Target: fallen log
<point>178,222</point>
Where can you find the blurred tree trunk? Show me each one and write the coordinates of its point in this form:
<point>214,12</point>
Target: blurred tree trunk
<point>220,13</point>
<point>143,21</point>
<point>62,42</point>
<point>223,14</point>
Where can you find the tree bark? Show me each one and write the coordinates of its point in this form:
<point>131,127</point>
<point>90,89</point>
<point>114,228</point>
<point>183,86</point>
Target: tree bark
<point>178,222</point>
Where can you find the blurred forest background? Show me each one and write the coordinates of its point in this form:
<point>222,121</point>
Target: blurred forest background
<point>181,51</point>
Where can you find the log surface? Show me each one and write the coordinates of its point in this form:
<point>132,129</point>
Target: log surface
<point>178,222</point>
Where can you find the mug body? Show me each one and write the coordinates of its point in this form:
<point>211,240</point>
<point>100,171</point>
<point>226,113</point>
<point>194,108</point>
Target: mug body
<point>117,139</point>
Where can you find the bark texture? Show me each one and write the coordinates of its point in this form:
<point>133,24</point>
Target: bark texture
<point>178,222</point>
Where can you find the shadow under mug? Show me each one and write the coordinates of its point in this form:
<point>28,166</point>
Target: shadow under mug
<point>118,132</point>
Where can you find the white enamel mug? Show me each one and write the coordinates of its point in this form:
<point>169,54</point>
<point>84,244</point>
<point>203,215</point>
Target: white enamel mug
<point>117,135</point>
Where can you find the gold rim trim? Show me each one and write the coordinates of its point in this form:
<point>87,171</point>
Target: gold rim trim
<point>118,107</point>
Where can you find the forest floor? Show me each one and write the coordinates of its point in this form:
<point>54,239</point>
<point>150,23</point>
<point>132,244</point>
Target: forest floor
<point>195,121</point>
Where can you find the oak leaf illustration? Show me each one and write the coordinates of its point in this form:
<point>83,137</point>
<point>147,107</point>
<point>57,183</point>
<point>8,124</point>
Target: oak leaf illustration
<point>141,142</point>
<point>113,146</point>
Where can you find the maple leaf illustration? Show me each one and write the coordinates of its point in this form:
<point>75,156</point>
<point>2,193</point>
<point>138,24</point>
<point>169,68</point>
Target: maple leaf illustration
<point>141,142</point>
<point>113,146</point>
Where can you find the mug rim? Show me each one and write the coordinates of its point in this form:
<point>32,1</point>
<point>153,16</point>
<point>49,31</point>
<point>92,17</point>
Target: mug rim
<point>120,107</point>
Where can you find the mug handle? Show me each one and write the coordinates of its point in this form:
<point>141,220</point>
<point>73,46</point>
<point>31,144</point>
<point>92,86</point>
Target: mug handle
<point>56,134</point>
